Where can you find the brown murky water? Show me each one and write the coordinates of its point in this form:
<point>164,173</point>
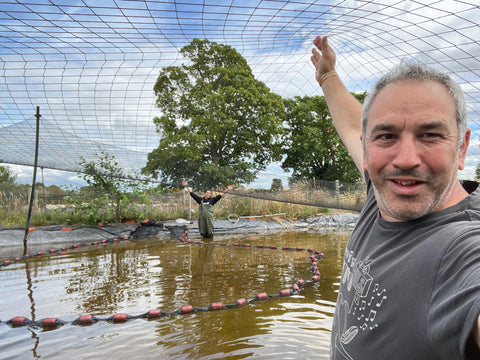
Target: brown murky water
<point>137,276</point>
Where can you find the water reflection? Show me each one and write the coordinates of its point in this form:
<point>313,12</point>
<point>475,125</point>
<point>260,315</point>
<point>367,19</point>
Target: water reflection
<point>147,274</point>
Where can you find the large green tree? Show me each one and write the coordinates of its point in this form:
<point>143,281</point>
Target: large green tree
<point>219,125</point>
<point>313,148</point>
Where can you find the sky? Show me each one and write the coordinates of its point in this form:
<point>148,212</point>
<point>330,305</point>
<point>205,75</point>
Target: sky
<point>90,66</point>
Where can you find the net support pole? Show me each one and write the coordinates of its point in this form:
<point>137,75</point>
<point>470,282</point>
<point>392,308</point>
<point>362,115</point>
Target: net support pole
<point>32,194</point>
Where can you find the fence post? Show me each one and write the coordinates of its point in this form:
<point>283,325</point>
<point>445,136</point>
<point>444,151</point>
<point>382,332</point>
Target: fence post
<point>337,192</point>
<point>37,136</point>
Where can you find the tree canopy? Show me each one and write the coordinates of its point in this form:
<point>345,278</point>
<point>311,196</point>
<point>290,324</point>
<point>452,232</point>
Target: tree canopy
<point>313,148</point>
<point>219,125</point>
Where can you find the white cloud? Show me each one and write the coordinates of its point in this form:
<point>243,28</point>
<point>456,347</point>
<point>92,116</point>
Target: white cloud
<point>93,67</point>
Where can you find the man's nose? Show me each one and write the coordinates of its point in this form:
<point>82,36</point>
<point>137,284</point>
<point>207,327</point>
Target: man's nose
<point>407,154</point>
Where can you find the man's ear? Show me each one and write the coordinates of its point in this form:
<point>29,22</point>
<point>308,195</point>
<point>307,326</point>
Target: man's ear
<point>462,154</point>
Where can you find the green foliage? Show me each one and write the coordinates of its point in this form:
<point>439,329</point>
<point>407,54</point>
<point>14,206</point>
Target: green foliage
<point>109,196</point>
<point>7,178</point>
<point>219,125</point>
<point>277,185</point>
<point>312,147</point>
<point>477,173</point>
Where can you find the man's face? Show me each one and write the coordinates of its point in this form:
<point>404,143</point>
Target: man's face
<point>208,194</point>
<point>411,150</point>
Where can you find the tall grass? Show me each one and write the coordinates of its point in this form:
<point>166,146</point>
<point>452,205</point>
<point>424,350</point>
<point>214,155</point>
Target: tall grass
<point>13,214</point>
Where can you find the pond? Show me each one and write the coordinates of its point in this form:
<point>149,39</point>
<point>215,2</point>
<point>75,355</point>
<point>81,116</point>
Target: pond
<point>136,276</point>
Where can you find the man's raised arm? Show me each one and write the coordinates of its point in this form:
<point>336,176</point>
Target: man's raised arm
<point>345,109</point>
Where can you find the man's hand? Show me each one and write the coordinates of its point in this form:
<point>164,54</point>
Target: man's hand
<point>345,109</point>
<point>324,58</point>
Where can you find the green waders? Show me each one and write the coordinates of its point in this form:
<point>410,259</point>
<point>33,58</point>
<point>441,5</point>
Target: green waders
<point>205,220</point>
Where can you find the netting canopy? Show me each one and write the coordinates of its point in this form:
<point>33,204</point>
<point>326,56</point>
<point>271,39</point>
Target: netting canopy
<point>90,66</point>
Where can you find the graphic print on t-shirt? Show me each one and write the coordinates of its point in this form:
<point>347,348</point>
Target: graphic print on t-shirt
<point>359,301</point>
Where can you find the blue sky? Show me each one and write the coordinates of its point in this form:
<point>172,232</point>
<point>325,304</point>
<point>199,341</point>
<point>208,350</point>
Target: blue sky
<point>91,65</point>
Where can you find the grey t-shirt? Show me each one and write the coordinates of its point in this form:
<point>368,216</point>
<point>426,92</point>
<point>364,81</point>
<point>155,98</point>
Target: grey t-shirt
<point>410,290</point>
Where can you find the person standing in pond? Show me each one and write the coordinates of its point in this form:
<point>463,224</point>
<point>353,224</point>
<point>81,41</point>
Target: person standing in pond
<point>205,210</point>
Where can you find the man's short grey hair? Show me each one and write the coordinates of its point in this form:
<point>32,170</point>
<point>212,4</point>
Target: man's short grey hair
<point>413,71</point>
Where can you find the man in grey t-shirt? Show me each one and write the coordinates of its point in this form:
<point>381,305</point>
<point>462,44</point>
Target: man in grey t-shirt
<point>411,277</point>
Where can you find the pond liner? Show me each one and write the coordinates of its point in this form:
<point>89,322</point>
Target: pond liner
<point>63,234</point>
<point>180,234</point>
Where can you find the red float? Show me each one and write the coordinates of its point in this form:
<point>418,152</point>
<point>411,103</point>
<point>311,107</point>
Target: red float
<point>262,296</point>
<point>186,309</point>
<point>154,313</point>
<point>120,317</point>
<point>49,322</point>
<point>18,320</point>
<point>85,320</point>
<point>241,302</point>
<point>216,306</point>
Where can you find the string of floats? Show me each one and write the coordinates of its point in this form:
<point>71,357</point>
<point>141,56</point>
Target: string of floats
<point>89,319</point>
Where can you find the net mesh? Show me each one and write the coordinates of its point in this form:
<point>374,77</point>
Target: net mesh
<point>91,65</point>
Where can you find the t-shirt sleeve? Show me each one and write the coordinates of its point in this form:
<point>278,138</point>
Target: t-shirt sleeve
<point>215,199</point>
<point>197,198</point>
<point>455,301</point>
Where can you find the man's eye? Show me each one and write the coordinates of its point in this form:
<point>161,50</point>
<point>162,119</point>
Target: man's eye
<point>431,135</point>
<point>386,137</point>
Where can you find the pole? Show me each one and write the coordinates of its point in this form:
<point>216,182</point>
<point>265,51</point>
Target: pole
<point>30,205</point>
<point>43,191</point>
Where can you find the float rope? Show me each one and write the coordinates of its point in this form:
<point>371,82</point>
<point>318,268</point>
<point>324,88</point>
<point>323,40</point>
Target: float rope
<point>52,322</point>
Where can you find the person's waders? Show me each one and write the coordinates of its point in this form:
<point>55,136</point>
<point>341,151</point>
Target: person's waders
<point>205,220</point>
